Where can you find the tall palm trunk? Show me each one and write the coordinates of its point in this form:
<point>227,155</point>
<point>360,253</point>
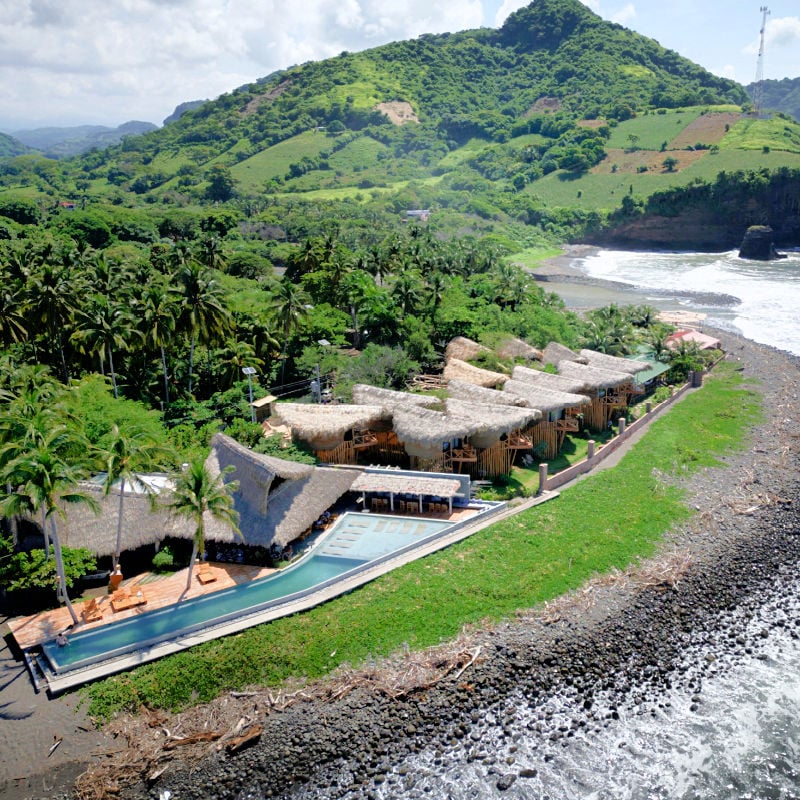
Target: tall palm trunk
<point>111,369</point>
<point>44,533</point>
<point>166,376</point>
<point>191,361</point>
<point>118,546</point>
<point>191,565</point>
<point>62,578</point>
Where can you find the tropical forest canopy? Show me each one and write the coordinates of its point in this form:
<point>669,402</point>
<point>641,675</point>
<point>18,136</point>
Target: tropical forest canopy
<point>270,228</point>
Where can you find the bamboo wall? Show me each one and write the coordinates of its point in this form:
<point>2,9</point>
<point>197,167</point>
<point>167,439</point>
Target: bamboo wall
<point>494,461</point>
<point>345,453</point>
<point>545,438</point>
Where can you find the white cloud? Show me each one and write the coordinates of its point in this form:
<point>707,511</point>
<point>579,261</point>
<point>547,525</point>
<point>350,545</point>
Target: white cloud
<point>783,32</point>
<point>624,15</point>
<point>508,7</point>
<point>70,61</point>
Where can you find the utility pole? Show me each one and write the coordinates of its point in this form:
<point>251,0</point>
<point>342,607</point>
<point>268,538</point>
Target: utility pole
<point>250,371</point>
<point>758,86</point>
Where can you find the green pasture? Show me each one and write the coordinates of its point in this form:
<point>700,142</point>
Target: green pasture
<point>777,133</point>
<point>274,162</point>
<point>607,521</point>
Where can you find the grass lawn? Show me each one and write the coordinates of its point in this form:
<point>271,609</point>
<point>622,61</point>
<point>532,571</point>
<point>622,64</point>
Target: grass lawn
<point>532,257</point>
<point>606,521</point>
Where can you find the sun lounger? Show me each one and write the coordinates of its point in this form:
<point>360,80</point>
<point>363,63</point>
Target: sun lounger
<point>204,573</point>
<point>91,611</point>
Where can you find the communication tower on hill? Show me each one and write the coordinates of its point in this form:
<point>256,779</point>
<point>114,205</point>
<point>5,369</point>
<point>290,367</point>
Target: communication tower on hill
<point>758,86</point>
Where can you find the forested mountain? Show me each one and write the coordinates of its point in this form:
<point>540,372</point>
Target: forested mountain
<point>782,95</point>
<point>10,146</point>
<point>58,142</point>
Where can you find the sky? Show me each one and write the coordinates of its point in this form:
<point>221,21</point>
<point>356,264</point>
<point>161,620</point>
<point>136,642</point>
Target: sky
<point>104,62</point>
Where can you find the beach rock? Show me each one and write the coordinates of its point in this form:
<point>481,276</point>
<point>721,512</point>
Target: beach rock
<point>758,244</point>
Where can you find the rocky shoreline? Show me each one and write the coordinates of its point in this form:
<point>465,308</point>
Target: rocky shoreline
<point>741,545</point>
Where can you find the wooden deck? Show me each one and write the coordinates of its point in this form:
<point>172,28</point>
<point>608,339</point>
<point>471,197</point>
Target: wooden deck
<point>157,590</point>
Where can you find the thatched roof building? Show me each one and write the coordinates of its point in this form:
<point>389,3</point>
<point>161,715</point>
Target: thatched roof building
<point>469,392</point>
<point>614,363</point>
<point>423,431</point>
<point>324,426</point>
<point>593,378</point>
<point>548,380</point>
<point>463,349</point>
<point>456,369</point>
<point>389,399</point>
<point>555,352</point>
<point>406,483</point>
<point>516,348</point>
<point>141,525</point>
<point>546,400</point>
<point>276,501</point>
<point>491,421</point>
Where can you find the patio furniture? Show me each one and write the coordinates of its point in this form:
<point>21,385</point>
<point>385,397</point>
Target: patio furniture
<point>204,573</point>
<point>125,598</point>
<point>91,611</point>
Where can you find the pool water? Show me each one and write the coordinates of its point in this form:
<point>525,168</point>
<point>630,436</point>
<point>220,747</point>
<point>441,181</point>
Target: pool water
<point>353,542</point>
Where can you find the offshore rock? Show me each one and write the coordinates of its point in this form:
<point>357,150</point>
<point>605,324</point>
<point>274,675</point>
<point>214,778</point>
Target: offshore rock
<point>758,244</point>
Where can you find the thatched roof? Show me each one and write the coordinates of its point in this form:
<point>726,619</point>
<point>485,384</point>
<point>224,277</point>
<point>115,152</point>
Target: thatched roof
<point>276,501</point>
<point>290,510</point>
<point>546,400</point>
<point>555,352</point>
<point>492,421</point>
<point>406,483</point>
<point>389,399</point>
<point>423,431</point>
<point>456,369</point>
<point>464,349</point>
<point>593,377</point>
<point>97,532</point>
<point>516,348</point>
<point>469,392</point>
<point>324,426</point>
<point>559,383</point>
<point>614,363</point>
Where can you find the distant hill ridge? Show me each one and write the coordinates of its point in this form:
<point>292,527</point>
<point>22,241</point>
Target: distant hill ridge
<point>57,142</point>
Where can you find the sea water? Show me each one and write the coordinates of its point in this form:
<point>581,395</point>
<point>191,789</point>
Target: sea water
<point>759,299</point>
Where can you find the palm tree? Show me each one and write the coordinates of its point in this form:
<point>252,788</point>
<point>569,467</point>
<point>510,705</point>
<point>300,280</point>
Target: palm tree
<point>126,452</point>
<point>196,493</point>
<point>289,305</point>
<point>158,324</point>
<point>42,479</point>
<point>12,320</point>
<point>202,304</point>
<point>100,329</point>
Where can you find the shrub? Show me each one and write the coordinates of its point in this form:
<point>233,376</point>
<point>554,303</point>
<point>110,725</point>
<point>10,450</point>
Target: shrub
<point>164,560</point>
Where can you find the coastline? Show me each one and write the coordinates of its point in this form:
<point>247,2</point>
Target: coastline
<point>734,560</point>
<point>631,634</point>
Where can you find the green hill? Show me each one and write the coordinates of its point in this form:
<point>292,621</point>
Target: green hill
<point>782,95</point>
<point>10,147</point>
<point>551,121</point>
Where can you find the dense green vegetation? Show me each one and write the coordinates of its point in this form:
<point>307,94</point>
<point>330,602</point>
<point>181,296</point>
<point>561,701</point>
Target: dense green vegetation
<point>517,563</point>
<point>782,95</point>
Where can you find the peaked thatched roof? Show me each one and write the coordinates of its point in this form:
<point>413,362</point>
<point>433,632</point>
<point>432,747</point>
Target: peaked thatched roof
<point>546,400</point>
<point>464,349</point>
<point>593,377</point>
<point>290,510</point>
<point>456,369</point>
<point>492,421</point>
<point>406,483</point>
<point>389,399</point>
<point>324,426</point>
<point>461,390</point>
<point>615,363</point>
<point>423,431</point>
<point>559,383</point>
<point>555,352</point>
<point>516,348</point>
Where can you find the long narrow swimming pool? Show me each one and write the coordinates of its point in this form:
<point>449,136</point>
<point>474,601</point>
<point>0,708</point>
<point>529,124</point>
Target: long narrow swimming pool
<point>352,544</point>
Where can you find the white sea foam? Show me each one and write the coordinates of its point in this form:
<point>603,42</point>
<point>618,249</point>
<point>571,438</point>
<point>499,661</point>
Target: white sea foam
<point>768,292</point>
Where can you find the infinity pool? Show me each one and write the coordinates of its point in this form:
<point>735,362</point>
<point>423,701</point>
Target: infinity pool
<point>355,541</point>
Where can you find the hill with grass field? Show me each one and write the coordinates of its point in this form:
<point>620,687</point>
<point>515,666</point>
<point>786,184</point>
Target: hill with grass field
<point>782,95</point>
<point>544,128</point>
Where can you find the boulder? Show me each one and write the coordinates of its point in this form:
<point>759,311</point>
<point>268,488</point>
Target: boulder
<point>758,244</point>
